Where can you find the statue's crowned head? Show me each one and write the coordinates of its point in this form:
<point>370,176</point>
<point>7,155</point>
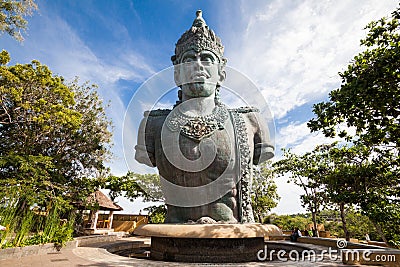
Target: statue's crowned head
<point>199,38</point>
<point>199,61</point>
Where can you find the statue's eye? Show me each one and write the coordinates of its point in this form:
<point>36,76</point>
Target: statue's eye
<point>188,59</point>
<point>207,59</point>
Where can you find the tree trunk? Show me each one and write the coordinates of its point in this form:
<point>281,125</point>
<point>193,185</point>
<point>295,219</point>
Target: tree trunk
<point>22,205</point>
<point>314,219</point>
<point>380,232</point>
<point>259,217</point>
<point>343,217</point>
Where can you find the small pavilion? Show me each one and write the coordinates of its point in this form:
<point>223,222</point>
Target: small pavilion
<point>103,203</point>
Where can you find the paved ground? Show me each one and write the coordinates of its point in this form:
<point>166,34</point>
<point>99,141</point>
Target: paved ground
<point>95,256</point>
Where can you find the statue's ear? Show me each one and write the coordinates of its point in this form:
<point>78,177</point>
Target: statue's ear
<point>222,75</point>
<point>221,70</point>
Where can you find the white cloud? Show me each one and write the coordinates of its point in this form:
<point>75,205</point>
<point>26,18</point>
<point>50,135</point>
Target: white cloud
<point>290,197</point>
<point>294,49</point>
<point>298,137</point>
<point>292,134</point>
<point>56,44</point>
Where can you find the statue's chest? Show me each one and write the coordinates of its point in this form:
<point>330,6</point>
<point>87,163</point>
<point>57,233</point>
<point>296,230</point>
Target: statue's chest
<point>178,151</point>
<point>220,144</point>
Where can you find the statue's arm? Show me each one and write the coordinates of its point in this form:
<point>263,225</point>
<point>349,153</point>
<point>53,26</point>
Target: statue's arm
<point>263,146</point>
<point>145,142</point>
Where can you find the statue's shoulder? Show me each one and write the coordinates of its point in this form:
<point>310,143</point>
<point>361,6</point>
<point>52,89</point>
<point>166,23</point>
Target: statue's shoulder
<point>157,113</point>
<point>244,110</point>
<point>250,115</point>
<point>154,119</point>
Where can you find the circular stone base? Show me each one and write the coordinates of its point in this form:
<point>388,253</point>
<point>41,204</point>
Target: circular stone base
<point>209,230</point>
<point>207,242</point>
<point>205,249</point>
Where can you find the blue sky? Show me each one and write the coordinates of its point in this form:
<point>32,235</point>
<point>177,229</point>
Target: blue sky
<point>291,49</point>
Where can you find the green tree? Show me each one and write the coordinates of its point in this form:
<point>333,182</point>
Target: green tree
<point>264,194</point>
<point>157,213</point>
<point>358,224</point>
<point>134,185</point>
<point>340,166</point>
<point>12,13</point>
<point>305,171</point>
<point>146,186</point>
<point>54,135</point>
<point>347,176</point>
<point>369,101</point>
<point>55,139</point>
<point>350,177</point>
<point>289,222</point>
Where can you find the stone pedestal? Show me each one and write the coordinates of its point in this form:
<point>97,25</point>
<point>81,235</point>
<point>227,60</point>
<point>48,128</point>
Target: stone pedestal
<point>207,242</point>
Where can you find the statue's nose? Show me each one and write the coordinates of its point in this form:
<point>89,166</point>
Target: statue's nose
<point>198,64</point>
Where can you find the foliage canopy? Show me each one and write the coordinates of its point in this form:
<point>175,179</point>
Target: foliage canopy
<point>264,191</point>
<point>55,139</point>
<point>12,13</point>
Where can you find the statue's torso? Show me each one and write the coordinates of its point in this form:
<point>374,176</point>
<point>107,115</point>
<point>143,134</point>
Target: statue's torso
<point>224,162</point>
<point>174,154</point>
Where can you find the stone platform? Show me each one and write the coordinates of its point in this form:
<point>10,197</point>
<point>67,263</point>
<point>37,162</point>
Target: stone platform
<point>207,242</point>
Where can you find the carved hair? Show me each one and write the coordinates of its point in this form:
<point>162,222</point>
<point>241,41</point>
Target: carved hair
<point>199,38</point>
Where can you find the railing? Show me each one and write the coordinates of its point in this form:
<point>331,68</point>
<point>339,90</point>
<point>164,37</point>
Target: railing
<point>128,223</point>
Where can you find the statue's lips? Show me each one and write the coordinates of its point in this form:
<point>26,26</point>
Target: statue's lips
<point>199,76</point>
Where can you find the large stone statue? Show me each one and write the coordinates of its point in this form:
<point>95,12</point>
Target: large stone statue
<point>203,150</point>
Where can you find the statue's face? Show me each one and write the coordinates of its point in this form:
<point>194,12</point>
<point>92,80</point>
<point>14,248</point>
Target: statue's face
<point>199,73</point>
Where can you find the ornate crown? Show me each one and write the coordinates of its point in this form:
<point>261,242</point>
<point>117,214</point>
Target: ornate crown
<point>199,37</point>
